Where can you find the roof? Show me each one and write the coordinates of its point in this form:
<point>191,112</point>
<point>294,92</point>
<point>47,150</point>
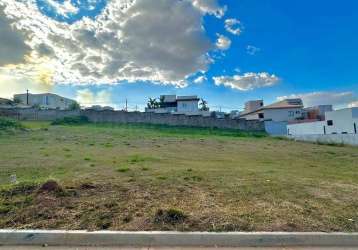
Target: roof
<point>43,94</point>
<point>4,101</point>
<point>287,103</point>
<point>174,98</point>
<point>188,98</point>
<point>284,104</point>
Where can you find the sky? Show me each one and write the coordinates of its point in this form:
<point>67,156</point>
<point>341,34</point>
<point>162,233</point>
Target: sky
<point>104,52</point>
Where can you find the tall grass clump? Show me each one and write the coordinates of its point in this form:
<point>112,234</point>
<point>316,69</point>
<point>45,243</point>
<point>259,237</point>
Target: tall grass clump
<point>71,120</point>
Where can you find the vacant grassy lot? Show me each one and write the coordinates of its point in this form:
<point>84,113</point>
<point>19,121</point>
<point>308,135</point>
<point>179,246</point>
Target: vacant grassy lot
<point>155,178</point>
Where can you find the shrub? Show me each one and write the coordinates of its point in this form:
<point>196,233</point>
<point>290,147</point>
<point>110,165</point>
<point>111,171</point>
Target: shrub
<point>71,120</point>
<point>6,123</point>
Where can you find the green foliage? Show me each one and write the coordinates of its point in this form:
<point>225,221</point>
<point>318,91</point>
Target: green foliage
<point>75,106</point>
<point>6,124</point>
<point>203,105</point>
<point>71,120</point>
<point>153,103</point>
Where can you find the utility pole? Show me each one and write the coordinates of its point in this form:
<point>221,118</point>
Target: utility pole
<point>27,97</point>
<point>126,105</point>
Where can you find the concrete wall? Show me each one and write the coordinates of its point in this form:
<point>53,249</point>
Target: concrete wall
<point>343,121</point>
<point>351,139</point>
<point>276,128</point>
<point>309,128</point>
<point>136,117</point>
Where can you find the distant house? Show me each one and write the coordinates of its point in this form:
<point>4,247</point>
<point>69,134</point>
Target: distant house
<point>46,100</point>
<point>344,121</point>
<point>282,111</point>
<point>316,112</point>
<point>4,101</point>
<point>100,108</point>
<point>177,105</point>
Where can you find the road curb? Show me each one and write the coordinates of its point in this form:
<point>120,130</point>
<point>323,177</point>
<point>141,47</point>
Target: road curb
<point>178,239</point>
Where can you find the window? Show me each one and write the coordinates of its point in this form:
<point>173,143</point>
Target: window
<point>330,123</point>
<point>291,113</point>
<point>298,112</point>
<point>261,115</point>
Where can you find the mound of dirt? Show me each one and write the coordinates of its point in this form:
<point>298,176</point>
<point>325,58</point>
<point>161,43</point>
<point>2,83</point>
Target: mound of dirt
<point>51,186</point>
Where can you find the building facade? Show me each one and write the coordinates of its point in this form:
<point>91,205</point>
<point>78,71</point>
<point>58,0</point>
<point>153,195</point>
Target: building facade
<point>45,101</point>
<point>344,121</point>
<point>283,111</point>
<point>188,105</point>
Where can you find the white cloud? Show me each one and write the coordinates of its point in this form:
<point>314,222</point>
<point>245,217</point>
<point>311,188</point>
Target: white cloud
<point>200,79</point>
<point>87,98</point>
<point>233,26</point>
<point>11,84</point>
<point>223,43</point>
<point>211,7</point>
<point>162,41</point>
<point>64,8</point>
<point>340,99</point>
<point>353,104</point>
<point>247,81</point>
<point>12,45</point>
<point>252,50</point>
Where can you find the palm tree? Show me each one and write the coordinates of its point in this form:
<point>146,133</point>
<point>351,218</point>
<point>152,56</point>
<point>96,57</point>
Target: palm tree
<point>203,105</point>
<point>152,103</point>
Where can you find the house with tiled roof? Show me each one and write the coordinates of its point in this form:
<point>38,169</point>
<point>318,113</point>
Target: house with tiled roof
<point>282,111</point>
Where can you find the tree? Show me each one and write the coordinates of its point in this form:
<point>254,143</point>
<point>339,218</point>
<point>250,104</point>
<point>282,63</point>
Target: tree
<point>161,101</point>
<point>74,106</point>
<point>17,100</point>
<point>152,103</point>
<point>203,105</point>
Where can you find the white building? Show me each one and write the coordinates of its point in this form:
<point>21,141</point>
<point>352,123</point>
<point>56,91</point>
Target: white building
<point>283,111</point>
<point>344,121</point>
<point>46,100</point>
<point>188,105</point>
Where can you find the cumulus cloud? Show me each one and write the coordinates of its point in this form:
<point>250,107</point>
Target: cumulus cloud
<point>339,99</point>
<point>200,79</point>
<point>247,81</point>
<point>233,26</point>
<point>162,41</point>
<point>211,7</point>
<point>12,43</point>
<point>223,43</point>
<point>64,8</point>
<point>87,98</point>
<point>252,50</point>
<point>353,104</point>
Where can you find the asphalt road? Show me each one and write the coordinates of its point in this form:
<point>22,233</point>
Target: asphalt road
<point>173,248</point>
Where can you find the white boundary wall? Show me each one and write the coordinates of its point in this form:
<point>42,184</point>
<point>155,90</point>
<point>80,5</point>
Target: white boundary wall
<point>348,139</point>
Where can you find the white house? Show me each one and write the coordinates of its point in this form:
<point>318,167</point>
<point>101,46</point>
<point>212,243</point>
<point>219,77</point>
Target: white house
<point>344,121</point>
<point>283,111</point>
<point>46,100</point>
<point>188,105</point>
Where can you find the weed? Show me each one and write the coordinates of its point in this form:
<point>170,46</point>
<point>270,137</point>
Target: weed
<point>123,169</point>
<point>71,120</point>
<point>171,216</point>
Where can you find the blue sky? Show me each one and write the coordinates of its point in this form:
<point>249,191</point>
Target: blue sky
<point>311,46</point>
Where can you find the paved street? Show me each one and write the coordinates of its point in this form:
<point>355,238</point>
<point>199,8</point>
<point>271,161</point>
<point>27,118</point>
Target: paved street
<point>174,248</point>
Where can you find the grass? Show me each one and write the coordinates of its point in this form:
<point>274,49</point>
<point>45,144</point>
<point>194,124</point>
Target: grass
<point>139,177</point>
